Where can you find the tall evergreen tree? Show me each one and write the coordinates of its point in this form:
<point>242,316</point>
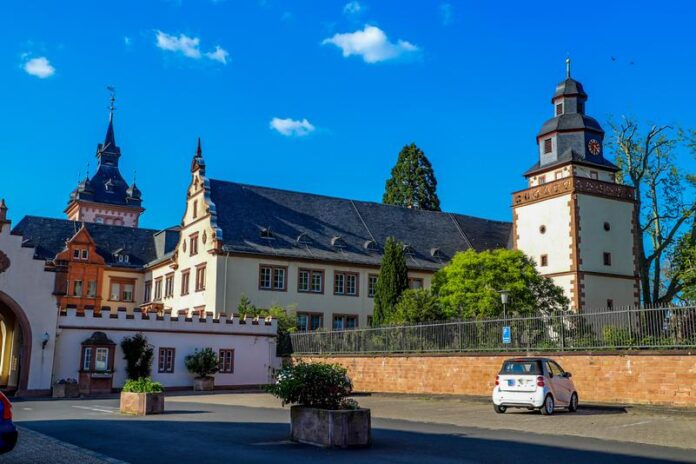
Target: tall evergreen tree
<point>412,183</point>
<point>391,282</point>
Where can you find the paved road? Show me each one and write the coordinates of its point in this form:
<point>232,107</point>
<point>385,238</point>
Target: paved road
<point>254,429</point>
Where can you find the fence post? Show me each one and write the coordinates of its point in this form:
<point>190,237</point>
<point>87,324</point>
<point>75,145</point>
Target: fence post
<point>562,334</point>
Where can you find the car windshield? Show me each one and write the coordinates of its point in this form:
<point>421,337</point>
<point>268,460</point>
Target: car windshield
<point>516,367</point>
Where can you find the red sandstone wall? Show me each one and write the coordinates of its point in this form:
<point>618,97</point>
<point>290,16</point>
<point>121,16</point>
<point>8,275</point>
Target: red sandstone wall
<point>649,378</point>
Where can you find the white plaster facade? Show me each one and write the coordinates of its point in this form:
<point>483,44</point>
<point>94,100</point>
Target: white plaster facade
<point>253,343</point>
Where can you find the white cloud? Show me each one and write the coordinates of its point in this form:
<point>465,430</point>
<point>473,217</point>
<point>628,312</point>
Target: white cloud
<point>39,67</point>
<point>353,8</point>
<point>291,127</point>
<point>446,13</point>
<point>220,54</point>
<point>372,44</point>
<point>189,47</point>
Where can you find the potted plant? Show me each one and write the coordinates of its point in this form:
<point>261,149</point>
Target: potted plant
<point>142,397</point>
<point>322,414</point>
<point>204,364</point>
<point>66,388</point>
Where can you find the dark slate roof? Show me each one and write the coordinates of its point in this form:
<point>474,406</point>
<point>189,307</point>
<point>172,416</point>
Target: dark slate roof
<point>108,185</point>
<point>48,237</point>
<point>308,226</point>
<point>575,157</point>
<point>569,87</point>
<point>570,121</point>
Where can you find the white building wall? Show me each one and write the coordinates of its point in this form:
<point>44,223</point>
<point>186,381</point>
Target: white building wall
<point>243,279</point>
<point>593,213</point>
<point>254,346</point>
<point>600,289</point>
<point>26,282</point>
<point>555,242</point>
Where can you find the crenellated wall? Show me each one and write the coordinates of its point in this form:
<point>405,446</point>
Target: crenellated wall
<point>253,342</point>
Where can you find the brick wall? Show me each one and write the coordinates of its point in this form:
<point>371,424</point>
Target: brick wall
<point>644,378</point>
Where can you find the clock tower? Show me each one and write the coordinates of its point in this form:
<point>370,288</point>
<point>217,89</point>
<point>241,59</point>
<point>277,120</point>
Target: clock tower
<point>573,219</point>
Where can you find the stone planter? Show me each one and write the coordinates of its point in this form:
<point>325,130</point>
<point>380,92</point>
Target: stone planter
<point>142,404</point>
<point>66,390</point>
<point>204,384</point>
<point>346,428</point>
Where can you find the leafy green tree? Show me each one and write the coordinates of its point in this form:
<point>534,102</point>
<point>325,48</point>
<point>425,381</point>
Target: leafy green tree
<point>138,354</point>
<point>684,264</point>
<point>391,281</point>
<point>468,286</point>
<point>286,319</point>
<point>416,306</point>
<point>412,183</point>
<point>665,200</point>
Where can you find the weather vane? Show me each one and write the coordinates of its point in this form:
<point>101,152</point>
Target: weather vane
<point>112,99</point>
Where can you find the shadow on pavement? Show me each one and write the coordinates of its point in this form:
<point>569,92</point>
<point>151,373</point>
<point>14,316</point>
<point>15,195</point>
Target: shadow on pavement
<point>146,440</point>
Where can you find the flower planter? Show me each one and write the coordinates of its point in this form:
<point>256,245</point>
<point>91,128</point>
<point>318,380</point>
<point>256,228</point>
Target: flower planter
<point>345,428</point>
<point>66,390</point>
<point>204,384</point>
<point>142,404</point>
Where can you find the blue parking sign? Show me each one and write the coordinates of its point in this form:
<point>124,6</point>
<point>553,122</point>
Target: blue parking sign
<point>506,334</point>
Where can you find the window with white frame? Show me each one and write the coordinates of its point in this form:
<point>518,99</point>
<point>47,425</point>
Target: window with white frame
<point>310,280</point>
<point>371,285</point>
<point>272,277</point>
<point>87,358</point>
<point>101,359</point>
<point>346,283</point>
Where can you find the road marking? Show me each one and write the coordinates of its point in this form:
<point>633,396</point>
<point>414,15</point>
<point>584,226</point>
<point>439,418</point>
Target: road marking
<point>635,423</point>
<point>94,409</point>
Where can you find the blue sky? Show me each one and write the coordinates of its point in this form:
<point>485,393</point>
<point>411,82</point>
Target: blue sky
<point>319,96</point>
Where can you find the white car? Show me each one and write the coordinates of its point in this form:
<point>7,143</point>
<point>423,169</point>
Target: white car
<point>534,383</point>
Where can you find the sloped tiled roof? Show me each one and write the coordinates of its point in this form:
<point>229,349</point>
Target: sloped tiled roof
<point>308,226</point>
<point>48,237</point>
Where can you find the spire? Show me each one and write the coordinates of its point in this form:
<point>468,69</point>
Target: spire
<point>3,214</point>
<point>198,163</point>
<point>108,151</point>
<point>568,67</point>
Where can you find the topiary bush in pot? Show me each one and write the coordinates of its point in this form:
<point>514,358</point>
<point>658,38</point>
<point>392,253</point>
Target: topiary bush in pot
<point>203,363</point>
<point>322,414</point>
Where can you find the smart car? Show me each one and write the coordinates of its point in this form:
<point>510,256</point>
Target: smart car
<point>534,383</point>
<point>8,432</point>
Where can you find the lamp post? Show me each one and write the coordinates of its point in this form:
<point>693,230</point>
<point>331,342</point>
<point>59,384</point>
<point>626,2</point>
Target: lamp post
<point>504,298</point>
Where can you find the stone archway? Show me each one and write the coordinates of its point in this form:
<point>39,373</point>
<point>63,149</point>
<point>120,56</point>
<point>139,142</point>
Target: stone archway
<point>11,308</point>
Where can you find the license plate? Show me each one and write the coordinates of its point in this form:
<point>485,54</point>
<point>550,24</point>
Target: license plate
<point>511,382</point>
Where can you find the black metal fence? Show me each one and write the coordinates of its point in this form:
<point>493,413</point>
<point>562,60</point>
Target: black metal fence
<point>671,327</point>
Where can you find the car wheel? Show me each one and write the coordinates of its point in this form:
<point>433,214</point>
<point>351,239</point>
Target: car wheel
<point>499,409</point>
<point>573,405</point>
<point>547,408</point>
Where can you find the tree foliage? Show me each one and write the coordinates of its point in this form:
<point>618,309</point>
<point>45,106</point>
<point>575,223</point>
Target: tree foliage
<point>468,287</point>
<point>684,264</point>
<point>316,385</point>
<point>412,183</point>
<point>285,318</point>
<point>138,354</point>
<point>416,306</point>
<point>391,282</point>
<point>203,363</point>
<point>665,201</point>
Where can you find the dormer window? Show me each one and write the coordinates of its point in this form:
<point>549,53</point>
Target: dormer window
<point>302,239</point>
<point>559,109</point>
<point>371,245</point>
<point>266,233</point>
<point>437,253</point>
<point>338,242</point>
<point>76,253</point>
<point>409,250</point>
<point>85,254</point>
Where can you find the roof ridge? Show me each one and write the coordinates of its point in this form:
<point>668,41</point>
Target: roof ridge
<point>384,205</point>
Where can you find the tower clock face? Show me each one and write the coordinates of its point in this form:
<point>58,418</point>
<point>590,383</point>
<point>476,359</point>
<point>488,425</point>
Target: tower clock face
<point>594,146</point>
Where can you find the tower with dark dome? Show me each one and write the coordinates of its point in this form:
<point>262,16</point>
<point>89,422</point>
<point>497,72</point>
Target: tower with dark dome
<point>573,218</point>
<point>106,197</point>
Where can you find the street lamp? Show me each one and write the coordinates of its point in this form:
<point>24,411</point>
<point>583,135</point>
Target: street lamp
<point>505,299</point>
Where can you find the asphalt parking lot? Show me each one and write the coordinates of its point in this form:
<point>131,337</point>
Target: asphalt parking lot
<point>254,428</point>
